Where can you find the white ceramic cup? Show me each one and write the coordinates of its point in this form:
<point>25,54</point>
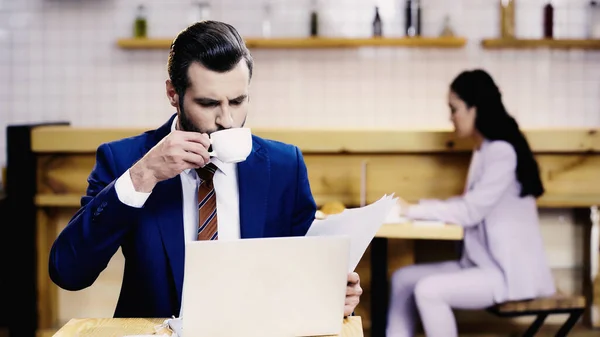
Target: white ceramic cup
<point>231,145</point>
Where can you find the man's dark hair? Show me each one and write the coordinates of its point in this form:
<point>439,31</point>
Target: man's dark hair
<point>215,45</point>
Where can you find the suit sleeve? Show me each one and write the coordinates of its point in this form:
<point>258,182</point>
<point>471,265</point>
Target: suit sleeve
<point>84,248</point>
<point>471,208</point>
<point>304,205</point>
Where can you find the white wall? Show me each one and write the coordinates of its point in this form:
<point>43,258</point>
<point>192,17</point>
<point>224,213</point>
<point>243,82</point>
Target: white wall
<point>58,61</point>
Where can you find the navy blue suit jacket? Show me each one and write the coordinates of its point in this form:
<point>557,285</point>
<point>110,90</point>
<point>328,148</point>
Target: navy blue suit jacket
<point>274,197</point>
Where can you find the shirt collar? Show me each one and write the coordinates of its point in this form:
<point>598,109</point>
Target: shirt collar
<point>226,168</point>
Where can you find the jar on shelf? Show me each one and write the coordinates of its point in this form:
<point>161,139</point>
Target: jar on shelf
<point>507,19</point>
<point>140,25</point>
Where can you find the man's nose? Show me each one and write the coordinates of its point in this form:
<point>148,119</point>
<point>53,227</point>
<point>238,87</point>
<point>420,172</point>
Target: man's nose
<point>224,119</point>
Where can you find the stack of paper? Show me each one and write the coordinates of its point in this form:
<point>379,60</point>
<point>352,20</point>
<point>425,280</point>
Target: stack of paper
<point>394,218</point>
<point>359,224</point>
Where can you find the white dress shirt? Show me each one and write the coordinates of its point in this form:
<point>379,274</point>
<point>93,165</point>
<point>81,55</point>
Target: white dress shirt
<point>226,188</point>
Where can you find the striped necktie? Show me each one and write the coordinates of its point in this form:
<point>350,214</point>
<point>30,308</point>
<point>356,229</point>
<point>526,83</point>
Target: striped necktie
<point>207,204</point>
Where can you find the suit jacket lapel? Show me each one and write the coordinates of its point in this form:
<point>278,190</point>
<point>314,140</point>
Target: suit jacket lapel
<point>253,183</point>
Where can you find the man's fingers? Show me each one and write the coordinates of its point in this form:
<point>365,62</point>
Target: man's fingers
<point>355,290</point>
<point>196,137</point>
<point>350,305</point>
<point>197,149</point>
<point>194,147</point>
<point>195,160</point>
<point>353,278</point>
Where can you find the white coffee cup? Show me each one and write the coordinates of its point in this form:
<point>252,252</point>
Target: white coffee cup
<point>231,145</point>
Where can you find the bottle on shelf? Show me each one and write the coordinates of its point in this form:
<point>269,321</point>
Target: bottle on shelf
<point>377,24</point>
<point>447,30</point>
<point>266,23</point>
<point>594,20</point>
<point>314,20</point>
<point>507,19</point>
<point>140,25</point>
<point>200,12</point>
<point>549,20</point>
<point>412,23</point>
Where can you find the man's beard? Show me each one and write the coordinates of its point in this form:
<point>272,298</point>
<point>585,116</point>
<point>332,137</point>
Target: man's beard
<point>186,123</point>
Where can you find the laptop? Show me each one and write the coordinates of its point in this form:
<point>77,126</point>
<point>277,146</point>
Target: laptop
<point>280,287</point>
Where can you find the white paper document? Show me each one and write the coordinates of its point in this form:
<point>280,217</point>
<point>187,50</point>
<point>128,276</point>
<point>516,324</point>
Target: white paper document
<point>359,224</point>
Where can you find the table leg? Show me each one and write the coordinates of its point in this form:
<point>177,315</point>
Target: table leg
<point>594,266</point>
<point>379,286</point>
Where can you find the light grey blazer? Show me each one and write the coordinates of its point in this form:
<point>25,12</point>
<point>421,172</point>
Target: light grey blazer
<point>502,231</point>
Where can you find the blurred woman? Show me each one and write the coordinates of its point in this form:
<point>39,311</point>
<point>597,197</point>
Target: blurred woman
<point>502,254</point>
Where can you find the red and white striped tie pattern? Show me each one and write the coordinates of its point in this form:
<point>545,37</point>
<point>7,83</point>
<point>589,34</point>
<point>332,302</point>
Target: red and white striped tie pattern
<point>207,204</point>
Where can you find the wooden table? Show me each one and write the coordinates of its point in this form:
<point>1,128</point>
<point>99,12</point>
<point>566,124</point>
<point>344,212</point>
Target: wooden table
<point>379,262</point>
<point>409,231</point>
<point>119,327</point>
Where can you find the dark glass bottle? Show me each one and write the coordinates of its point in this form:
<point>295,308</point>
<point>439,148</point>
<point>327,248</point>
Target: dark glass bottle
<point>548,21</point>
<point>413,18</point>
<point>377,25</point>
<point>593,29</point>
<point>314,20</point>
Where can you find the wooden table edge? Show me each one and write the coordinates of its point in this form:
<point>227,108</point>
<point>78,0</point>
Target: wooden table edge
<point>352,325</point>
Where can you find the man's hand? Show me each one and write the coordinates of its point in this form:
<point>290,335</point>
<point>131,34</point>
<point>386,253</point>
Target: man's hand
<point>353,292</point>
<point>178,151</point>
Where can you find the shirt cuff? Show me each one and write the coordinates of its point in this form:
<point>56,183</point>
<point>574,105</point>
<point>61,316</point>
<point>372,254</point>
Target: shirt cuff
<point>127,193</point>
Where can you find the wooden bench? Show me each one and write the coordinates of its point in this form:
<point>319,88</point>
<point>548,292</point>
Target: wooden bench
<point>542,308</point>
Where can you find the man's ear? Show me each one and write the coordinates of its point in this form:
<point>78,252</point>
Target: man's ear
<point>172,94</point>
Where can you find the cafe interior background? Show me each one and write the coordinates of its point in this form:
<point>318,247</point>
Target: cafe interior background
<point>60,60</point>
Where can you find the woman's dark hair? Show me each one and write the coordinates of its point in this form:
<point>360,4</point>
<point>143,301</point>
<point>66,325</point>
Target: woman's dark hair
<point>477,89</point>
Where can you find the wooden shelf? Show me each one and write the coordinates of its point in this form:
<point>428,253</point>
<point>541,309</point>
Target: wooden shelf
<point>138,43</point>
<point>541,43</point>
<point>313,43</point>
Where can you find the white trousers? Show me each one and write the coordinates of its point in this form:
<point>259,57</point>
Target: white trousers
<point>431,291</point>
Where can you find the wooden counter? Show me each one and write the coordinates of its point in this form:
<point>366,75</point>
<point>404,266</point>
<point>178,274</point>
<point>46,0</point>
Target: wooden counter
<point>351,166</point>
<point>416,163</point>
<point>108,327</point>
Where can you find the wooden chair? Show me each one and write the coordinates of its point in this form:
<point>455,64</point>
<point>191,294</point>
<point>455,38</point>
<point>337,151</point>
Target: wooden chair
<point>542,308</point>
